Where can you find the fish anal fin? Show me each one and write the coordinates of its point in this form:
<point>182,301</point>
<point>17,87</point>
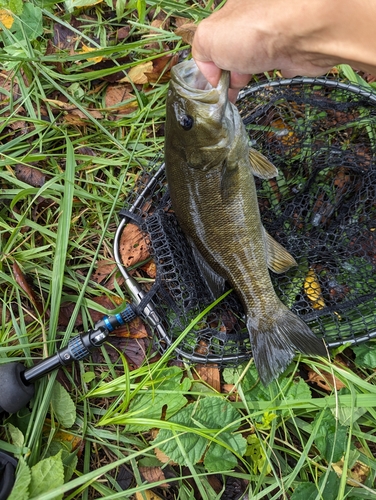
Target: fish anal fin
<point>278,259</point>
<point>261,166</point>
<point>214,282</point>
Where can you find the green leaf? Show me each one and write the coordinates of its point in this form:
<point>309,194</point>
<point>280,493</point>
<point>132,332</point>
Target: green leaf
<point>207,413</point>
<point>166,394</point>
<point>88,377</point>
<point>29,24</point>
<point>47,475</point>
<point>68,457</point>
<point>18,438</point>
<point>218,458</point>
<point>63,406</point>
<point>20,489</point>
<point>365,355</point>
<point>15,6</point>
<point>309,491</point>
<point>330,436</point>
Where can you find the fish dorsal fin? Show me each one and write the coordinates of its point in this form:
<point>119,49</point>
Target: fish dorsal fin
<point>261,166</point>
<point>278,259</point>
<point>214,282</point>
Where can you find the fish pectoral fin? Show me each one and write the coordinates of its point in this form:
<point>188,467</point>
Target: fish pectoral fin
<point>261,166</point>
<point>214,282</point>
<point>278,259</point>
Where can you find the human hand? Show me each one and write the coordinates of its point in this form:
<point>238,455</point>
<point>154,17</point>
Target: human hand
<point>299,37</point>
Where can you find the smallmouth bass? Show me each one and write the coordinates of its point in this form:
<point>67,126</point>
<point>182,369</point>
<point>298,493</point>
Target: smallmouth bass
<point>210,169</point>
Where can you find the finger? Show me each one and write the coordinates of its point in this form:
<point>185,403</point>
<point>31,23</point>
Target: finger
<point>210,71</point>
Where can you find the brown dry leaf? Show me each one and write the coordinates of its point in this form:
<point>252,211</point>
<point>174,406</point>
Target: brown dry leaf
<point>63,37</point>
<point>210,375</point>
<point>147,495</point>
<point>150,269</point>
<point>133,330</point>
<point>123,32</point>
<point>161,68</point>
<point>179,21</point>
<point>75,120</point>
<point>107,303</point>
<point>103,270</point>
<point>187,32</point>
<point>22,282</point>
<point>229,388</point>
<point>133,246</point>
<point>137,73</point>
<point>18,125</point>
<point>358,473</point>
<point>65,436</point>
<point>65,314</point>
<point>8,86</point>
<point>327,380</point>
<point>162,457</point>
<point>72,109</point>
<point>153,474</point>
<point>117,94</point>
<point>30,175</point>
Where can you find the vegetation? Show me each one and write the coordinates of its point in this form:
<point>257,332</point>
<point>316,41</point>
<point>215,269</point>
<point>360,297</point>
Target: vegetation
<point>82,93</point>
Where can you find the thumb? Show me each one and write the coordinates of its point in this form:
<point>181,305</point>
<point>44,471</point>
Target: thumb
<point>210,71</point>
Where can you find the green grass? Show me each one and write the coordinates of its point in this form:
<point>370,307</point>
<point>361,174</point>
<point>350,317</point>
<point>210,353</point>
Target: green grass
<point>279,442</point>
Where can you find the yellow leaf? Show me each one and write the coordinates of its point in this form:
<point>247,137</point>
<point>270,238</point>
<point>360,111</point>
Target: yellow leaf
<point>86,49</point>
<point>6,18</point>
<point>313,291</point>
<point>137,73</point>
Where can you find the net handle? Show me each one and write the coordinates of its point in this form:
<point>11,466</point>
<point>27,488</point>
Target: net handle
<point>305,80</point>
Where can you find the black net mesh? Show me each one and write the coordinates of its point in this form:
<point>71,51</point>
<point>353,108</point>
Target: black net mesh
<point>321,135</point>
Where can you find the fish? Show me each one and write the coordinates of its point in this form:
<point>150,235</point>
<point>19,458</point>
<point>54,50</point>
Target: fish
<point>210,171</point>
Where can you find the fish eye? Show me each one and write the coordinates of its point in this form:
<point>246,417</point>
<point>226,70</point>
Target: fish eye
<point>186,121</point>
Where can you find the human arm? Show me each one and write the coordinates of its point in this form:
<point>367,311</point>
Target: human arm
<point>298,37</point>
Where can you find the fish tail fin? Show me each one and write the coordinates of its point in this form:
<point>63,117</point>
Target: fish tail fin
<point>276,340</point>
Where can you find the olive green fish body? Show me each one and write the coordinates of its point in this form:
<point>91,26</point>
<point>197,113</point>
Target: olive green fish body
<point>213,194</point>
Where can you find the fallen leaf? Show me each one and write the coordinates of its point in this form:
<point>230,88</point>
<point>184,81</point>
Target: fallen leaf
<point>18,125</point>
<point>65,436</point>
<point>147,495</point>
<point>161,68</point>
<point>325,380</point>
<point>162,457</point>
<point>180,21</point>
<point>358,473</point>
<point>30,175</point>
<point>187,32</point>
<point>210,375</point>
<point>103,270</point>
<point>133,247</point>
<point>313,291</point>
<point>150,269</point>
<point>73,109</point>
<point>152,474</point>
<point>6,18</point>
<point>137,73</point>
<point>123,32</point>
<point>116,97</point>
<point>63,37</point>
<point>86,50</point>
<point>22,282</point>
<point>134,330</point>
<point>8,87</point>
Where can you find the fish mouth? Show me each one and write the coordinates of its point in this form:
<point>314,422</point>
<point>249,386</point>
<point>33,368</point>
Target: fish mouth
<point>190,83</point>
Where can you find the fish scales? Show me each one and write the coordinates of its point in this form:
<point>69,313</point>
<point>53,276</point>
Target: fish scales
<point>213,194</point>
